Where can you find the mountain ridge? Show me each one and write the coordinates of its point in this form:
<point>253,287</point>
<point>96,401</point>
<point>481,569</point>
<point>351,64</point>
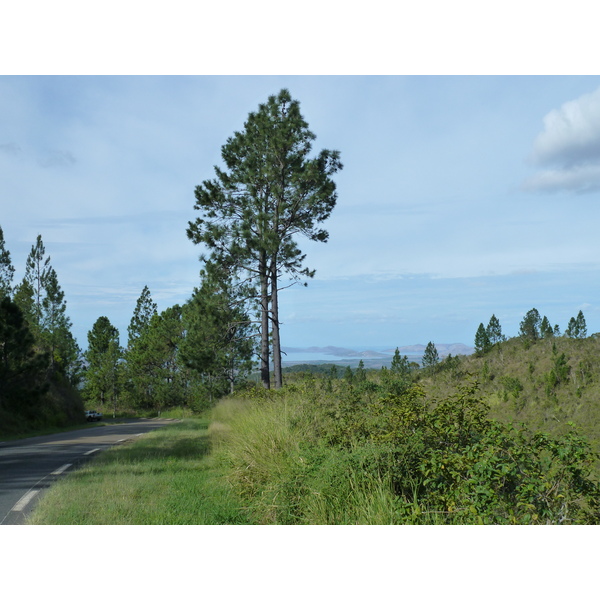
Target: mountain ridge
<point>415,349</point>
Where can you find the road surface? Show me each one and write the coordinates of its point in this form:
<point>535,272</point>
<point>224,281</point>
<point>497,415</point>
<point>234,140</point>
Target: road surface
<point>29,467</point>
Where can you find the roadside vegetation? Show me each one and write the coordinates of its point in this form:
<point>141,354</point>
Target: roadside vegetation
<point>329,452</point>
<point>165,478</point>
<point>508,435</point>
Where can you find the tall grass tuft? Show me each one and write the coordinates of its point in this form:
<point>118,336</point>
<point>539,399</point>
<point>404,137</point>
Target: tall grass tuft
<point>286,475</point>
<point>258,445</point>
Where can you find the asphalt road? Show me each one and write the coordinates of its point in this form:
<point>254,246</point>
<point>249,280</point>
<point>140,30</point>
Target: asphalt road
<point>29,467</point>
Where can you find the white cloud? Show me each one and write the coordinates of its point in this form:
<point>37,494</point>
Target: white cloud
<point>571,133</point>
<point>570,144</point>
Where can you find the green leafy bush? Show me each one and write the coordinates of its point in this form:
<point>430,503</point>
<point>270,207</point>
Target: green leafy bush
<point>455,462</point>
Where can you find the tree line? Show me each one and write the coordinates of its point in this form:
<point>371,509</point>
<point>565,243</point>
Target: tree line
<point>185,355</point>
<point>533,327</point>
<point>40,361</point>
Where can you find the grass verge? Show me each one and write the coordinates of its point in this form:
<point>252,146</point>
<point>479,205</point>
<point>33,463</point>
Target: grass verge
<point>285,476</point>
<point>168,477</point>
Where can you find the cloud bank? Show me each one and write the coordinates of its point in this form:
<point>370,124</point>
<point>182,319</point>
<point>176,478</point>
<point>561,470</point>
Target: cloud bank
<point>569,148</point>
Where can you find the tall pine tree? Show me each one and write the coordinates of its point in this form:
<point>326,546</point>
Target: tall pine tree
<point>482,340</point>
<point>139,359</point>
<point>546,330</point>
<point>494,331</point>
<point>42,302</point>
<point>37,271</point>
<point>581,325</point>
<point>400,365</point>
<point>577,327</point>
<point>144,310</point>
<point>102,380</point>
<point>56,329</point>
<point>270,193</point>
<point>431,357</point>
<point>529,328</point>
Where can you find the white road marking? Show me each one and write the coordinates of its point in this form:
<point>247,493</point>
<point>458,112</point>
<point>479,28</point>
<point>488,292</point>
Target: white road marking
<point>25,500</point>
<point>28,497</point>
<point>62,469</point>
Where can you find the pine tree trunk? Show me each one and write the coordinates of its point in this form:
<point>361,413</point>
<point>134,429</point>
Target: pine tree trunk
<point>264,333</point>
<point>278,376</point>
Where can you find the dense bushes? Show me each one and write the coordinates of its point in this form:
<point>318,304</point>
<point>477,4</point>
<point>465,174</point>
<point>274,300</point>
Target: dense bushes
<point>361,455</point>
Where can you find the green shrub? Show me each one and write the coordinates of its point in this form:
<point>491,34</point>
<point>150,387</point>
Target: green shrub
<point>307,456</point>
<point>512,386</point>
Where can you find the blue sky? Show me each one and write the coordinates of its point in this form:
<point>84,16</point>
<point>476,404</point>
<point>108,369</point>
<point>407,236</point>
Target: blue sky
<point>461,196</point>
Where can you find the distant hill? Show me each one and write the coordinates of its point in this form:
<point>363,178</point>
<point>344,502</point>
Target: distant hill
<point>336,351</point>
<point>417,349</point>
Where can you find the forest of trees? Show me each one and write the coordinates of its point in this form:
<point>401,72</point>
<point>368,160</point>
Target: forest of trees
<point>41,364</point>
<point>184,356</point>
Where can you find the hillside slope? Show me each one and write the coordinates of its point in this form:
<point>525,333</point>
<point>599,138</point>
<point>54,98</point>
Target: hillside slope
<point>545,384</point>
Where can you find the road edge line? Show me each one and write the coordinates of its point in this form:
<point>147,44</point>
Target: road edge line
<point>24,501</point>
